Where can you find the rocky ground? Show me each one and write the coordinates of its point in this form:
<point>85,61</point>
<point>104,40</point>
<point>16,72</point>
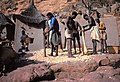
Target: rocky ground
<point>34,67</point>
<point>17,6</point>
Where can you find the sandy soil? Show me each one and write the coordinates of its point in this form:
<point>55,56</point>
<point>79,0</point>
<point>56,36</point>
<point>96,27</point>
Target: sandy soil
<point>62,57</point>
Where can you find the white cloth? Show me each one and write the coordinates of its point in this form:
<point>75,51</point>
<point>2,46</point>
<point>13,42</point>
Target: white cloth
<point>68,35</point>
<point>50,33</point>
<point>94,33</point>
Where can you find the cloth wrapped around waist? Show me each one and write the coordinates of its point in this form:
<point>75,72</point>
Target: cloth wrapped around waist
<point>68,33</point>
<point>55,38</point>
<point>95,33</point>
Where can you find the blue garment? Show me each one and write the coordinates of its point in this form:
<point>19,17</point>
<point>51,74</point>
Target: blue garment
<point>54,23</point>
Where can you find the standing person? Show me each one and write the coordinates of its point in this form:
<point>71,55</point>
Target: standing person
<point>94,31</point>
<point>103,37</point>
<point>63,21</point>
<point>76,36</point>
<point>68,34</point>
<point>54,27</point>
<point>46,37</point>
<point>64,37</point>
<point>70,26</point>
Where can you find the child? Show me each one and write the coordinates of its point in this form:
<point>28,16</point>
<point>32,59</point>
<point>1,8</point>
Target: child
<point>103,36</point>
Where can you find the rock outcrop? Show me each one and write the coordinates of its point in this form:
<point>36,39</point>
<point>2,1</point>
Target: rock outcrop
<point>30,73</point>
<point>7,58</point>
<point>78,71</point>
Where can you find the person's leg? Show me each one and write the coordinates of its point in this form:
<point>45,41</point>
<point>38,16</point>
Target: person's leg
<point>27,47</point>
<point>52,49</point>
<point>56,47</point>
<point>48,42</point>
<point>78,41</point>
<point>105,44</point>
<point>23,45</point>
<point>94,46</point>
<point>102,46</point>
<point>74,43</point>
<point>69,43</point>
<point>65,43</point>
<point>61,46</point>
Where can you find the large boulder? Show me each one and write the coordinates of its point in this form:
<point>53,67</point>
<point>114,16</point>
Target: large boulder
<point>7,57</point>
<point>102,74</point>
<point>30,73</point>
<point>108,60</point>
<point>102,65</point>
<point>74,70</point>
<point>7,53</point>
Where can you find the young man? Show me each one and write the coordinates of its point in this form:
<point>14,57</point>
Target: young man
<point>54,27</point>
<point>76,35</point>
<point>68,35</point>
<point>94,30</point>
<point>70,27</point>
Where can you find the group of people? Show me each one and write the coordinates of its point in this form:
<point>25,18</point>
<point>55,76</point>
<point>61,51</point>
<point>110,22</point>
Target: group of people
<point>73,31</point>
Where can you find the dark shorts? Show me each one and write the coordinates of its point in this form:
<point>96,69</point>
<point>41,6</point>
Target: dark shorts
<point>76,35</point>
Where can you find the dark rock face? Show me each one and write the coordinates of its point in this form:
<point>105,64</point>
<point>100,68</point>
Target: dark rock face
<point>7,57</point>
<point>30,73</point>
<point>6,54</point>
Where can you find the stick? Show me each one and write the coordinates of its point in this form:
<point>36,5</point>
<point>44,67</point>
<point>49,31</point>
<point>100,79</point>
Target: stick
<point>44,44</point>
<point>84,43</point>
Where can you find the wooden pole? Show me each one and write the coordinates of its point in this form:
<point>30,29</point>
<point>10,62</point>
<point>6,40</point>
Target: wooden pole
<point>84,43</point>
<point>44,44</point>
